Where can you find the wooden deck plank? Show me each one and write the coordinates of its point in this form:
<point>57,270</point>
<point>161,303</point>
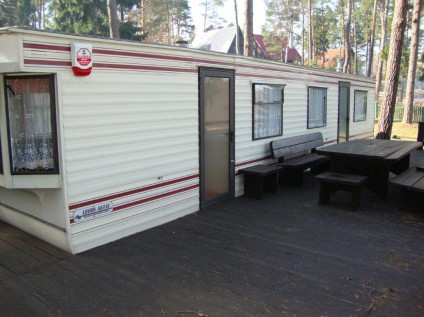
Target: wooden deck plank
<point>281,256</point>
<point>32,241</point>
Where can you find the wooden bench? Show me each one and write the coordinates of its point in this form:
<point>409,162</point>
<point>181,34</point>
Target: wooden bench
<point>296,154</point>
<point>412,180</point>
<point>330,182</point>
<point>260,178</point>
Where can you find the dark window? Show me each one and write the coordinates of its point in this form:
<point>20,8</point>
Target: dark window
<point>317,107</point>
<point>360,109</point>
<point>267,111</point>
<point>31,119</point>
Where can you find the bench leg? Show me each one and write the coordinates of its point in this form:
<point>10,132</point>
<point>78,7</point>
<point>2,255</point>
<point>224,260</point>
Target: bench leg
<point>252,186</point>
<point>255,185</point>
<point>324,192</point>
<point>270,183</point>
<point>356,197</point>
<point>326,189</point>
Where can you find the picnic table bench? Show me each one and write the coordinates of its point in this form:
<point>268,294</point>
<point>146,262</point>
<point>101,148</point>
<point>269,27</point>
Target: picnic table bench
<point>372,158</point>
<point>330,182</point>
<point>296,154</point>
<point>260,178</point>
<point>412,180</point>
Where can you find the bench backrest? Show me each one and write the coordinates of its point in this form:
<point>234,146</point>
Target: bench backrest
<point>294,145</point>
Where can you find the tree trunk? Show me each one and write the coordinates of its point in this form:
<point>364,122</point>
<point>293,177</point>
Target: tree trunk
<point>355,43</point>
<point>248,28</point>
<point>372,40</point>
<point>346,65</point>
<point>383,40</point>
<point>303,36</point>
<point>392,73</point>
<point>310,34</point>
<point>239,48</point>
<point>410,85</point>
<point>112,12</point>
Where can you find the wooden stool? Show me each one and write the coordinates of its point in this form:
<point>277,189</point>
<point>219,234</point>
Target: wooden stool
<point>330,182</point>
<point>260,178</point>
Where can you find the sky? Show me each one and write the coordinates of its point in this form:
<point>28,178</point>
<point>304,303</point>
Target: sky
<point>227,12</point>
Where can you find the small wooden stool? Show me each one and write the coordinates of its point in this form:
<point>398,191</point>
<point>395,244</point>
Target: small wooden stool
<point>330,182</point>
<point>259,178</point>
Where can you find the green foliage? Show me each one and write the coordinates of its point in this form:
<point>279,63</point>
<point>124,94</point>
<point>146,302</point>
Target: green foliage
<point>14,12</point>
<point>324,19</point>
<point>282,17</point>
<point>8,15</point>
<point>130,31</point>
<point>167,21</point>
<point>80,17</point>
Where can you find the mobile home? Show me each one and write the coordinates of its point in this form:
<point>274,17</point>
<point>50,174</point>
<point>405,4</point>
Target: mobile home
<point>101,138</point>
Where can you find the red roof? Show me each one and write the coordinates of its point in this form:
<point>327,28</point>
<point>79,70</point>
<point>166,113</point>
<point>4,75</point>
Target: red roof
<point>259,39</point>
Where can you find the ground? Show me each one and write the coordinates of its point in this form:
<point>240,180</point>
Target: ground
<point>402,131</point>
<point>283,255</point>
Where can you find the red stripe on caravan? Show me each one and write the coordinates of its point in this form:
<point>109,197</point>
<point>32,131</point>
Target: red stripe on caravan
<point>145,200</point>
<point>125,54</point>
<point>156,56</point>
<point>45,62</point>
<point>137,67</point>
<point>37,46</point>
<point>131,192</point>
<point>253,161</point>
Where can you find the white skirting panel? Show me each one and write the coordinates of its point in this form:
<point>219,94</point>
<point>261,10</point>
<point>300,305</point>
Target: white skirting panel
<point>55,236</point>
<point>95,237</point>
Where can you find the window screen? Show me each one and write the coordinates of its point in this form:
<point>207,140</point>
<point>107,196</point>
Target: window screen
<point>31,125</point>
<point>360,109</point>
<point>317,107</point>
<point>267,110</point>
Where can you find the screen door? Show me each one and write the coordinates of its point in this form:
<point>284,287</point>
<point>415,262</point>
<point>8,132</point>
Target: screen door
<point>216,135</point>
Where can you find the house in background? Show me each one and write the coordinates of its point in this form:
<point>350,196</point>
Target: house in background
<point>293,56</point>
<point>224,41</point>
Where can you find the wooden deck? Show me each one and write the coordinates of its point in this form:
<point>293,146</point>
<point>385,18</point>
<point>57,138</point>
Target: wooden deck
<point>281,256</point>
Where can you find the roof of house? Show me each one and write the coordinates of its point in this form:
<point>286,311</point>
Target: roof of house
<point>218,40</point>
<point>259,39</point>
<point>293,55</point>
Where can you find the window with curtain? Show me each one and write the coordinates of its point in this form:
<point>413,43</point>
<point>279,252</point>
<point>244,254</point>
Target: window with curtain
<point>267,111</point>
<point>317,107</point>
<point>31,124</point>
<point>360,108</point>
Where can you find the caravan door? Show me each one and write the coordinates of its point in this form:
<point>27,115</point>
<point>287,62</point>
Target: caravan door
<point>216,110</point>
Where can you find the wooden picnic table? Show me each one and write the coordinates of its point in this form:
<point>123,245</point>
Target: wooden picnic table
<point>372,158</point>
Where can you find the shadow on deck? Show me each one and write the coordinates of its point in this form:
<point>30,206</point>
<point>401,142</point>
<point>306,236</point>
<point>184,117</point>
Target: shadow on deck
<point>281,256</point>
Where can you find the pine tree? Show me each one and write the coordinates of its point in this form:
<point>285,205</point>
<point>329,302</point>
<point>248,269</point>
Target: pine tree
<point>392,73</point>
<point>409,102</point>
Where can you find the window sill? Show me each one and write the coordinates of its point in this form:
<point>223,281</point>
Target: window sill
<point>30,181</point>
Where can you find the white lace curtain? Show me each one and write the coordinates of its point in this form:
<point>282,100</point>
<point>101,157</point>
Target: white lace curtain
<point>317,107</point>
<point>268,104</point>
<point>360,105</point>
<point>30,124</point>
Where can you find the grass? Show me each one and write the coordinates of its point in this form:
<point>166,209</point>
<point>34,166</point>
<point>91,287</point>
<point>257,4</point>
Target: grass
<point>402,131</point>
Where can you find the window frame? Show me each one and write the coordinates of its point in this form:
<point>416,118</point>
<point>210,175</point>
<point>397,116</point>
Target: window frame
<point>325,89</point>
<point>354,105</point>
<point>281,103</point>
<point>53,122</point>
